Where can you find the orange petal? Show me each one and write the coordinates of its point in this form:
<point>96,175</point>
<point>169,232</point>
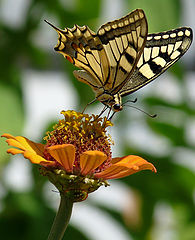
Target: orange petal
<point>113,172</point>
<point>132,161</point>
<point>90,160</point>
<point>14,143</point>
<point>36,159</point>
<point>31,150</point>
<point>126,166</point>
<point>64,154</point>
<point>24,144</point>
<point>115,160</point>
<point>14,151</point>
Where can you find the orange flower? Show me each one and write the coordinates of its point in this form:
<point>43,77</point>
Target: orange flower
<point>77,155</point>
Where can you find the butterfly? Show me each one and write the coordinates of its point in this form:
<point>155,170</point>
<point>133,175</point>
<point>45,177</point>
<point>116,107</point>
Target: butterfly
<point>121,57</point>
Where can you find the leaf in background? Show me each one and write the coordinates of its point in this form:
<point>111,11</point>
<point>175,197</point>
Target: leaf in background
<point>74,233</point>
<point>87,10</point>
<point>12,117</point>
<point>84,91</point>
<point>161,15</point>
<point>28,211</point>
<point>178,70</point>
<point>175,134</point>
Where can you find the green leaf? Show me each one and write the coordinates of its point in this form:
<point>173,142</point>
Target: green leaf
<point>161,15</point>
<point>175,134</point>
<point>12,117</point>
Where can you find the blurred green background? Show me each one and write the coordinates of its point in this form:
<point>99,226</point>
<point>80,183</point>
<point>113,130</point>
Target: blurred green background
<point>36,84</point>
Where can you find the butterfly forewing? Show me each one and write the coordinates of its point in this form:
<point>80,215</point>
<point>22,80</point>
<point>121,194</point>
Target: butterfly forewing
<point>161,51</point>
<point>123,41</point>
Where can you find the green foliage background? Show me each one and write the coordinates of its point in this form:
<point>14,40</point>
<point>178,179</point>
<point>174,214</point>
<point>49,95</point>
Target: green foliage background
<point>26,215</point>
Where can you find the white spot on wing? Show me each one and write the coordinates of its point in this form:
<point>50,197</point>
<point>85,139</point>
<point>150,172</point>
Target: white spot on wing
<point>120,24</point>
<point>163,49</point>
<point>107,28</point>
<point>146,71</point>
<point>170,48</point>
<point>101,31</point>
<point>126,22</point>
<point>149,38</point>
<point>160,61</point>
<point>173,35</point>
<point>180,34</point>
<point>147,52</point>
<point>175,55</point>
<point>155,52</point>
<point>165,36</point>
<point>157,37</point>
<point>177,45</point>
<point>187,33</point>
<point>114,26</point>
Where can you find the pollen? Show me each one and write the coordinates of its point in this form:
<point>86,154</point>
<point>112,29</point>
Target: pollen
<point>85,133</point>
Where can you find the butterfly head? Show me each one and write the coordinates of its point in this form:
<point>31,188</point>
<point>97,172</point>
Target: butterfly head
<point>116,104</point>
<point>117,107</point>
<point>113,102</point>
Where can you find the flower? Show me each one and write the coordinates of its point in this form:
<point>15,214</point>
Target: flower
<point>77,156</point>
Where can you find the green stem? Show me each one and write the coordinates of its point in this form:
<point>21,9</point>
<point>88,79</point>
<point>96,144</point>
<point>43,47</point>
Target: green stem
<point>62,219</point>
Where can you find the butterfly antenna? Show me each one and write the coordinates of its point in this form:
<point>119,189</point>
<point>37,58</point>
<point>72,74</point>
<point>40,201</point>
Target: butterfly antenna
<point>149,115</point>
<point>109,113</point>
<point>131,101</point>
<point>57,29</point>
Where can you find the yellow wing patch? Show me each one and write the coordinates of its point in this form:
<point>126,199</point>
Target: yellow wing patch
<point>121,57</point>
<point>161,51</point>
<point>108,56</point>
<point>123,41</point>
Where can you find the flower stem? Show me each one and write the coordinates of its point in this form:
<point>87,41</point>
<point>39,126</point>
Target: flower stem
<point>62,219</point>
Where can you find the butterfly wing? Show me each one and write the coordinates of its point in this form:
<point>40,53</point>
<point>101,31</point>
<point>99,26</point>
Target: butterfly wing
<point>161,51</point>
<point>83,48</point>
<point>108,57</point>
<point>123,41</point>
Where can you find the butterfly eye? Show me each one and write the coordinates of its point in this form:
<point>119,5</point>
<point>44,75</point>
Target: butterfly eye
<point>117,107</point>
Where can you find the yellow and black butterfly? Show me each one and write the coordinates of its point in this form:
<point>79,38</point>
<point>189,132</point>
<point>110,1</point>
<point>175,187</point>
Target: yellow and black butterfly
<point>121,57</point>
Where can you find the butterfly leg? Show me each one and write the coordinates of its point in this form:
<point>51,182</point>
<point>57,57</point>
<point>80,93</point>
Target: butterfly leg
<point>103,110</point>
<point>110,118</point>
<point>89,104</point>
<point>109,114</point>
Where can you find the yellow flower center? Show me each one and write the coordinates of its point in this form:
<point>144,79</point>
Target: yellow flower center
<point>85,133</point>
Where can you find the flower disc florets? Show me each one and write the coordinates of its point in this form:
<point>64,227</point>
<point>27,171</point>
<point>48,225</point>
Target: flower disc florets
<point>85,133</point>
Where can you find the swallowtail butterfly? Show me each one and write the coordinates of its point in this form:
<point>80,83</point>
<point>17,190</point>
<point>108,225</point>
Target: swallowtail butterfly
<point>121,57</point>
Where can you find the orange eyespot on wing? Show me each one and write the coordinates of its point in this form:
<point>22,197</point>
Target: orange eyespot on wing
<point>69,59</point>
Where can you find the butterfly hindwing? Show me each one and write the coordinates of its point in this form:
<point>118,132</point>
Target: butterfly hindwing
<point>83,48</point>
<point>161,51</point>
